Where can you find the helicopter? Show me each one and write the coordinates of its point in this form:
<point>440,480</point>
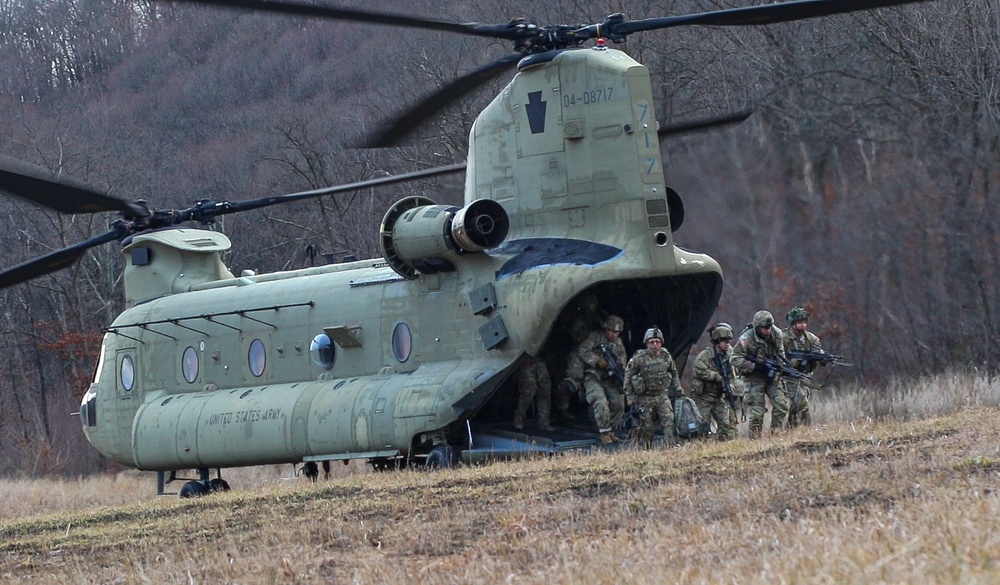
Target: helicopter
<point>407,359</point>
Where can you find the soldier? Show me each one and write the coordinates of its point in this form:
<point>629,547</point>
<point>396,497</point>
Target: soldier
<point>713,378</point>
<point>533,384</point>
<point>603,390</point>
<point>586,317</point>
<point>578,321</point>
<point>797,337</point>
<point>761,341</point>
<point>652,384</point>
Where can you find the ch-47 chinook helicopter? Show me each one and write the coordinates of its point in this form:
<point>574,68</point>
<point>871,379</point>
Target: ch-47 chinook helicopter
<point>407,359</point>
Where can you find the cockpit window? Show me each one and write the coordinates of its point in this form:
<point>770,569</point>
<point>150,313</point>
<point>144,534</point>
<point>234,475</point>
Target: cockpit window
<point>100,362</point>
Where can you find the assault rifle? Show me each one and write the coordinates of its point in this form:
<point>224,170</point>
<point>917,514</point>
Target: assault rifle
<point>631,421</point>
<point>772,367</point>
<point>805,357</point>
<point>614,368</point>
<point>727,389</point>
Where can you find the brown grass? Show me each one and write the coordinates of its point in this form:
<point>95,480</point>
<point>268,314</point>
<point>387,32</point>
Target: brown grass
<point>908,498</point>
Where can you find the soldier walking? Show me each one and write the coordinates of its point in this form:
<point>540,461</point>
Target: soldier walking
<point>652,384</point>
<point>799,338</point>
<point>761,341</point>
<point>714,378</point>
<point>603,390</point>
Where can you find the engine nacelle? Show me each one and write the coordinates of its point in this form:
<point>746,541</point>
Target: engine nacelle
<point>419,236</point>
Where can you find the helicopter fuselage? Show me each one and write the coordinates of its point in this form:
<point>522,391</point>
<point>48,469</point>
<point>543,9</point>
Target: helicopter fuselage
<point>388,357</point>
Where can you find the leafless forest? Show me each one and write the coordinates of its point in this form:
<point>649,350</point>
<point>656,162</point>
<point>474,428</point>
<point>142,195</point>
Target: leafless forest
<point>862,187</point>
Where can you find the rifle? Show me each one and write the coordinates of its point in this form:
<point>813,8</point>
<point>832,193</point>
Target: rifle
<point>631,421</point>
<point>816,356</point>
<point>614,368</point>
<point>772,367</point>
<point>727,389</point>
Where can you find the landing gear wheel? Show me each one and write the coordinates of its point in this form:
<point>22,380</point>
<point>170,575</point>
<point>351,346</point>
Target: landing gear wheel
<point>386,463</point>
<point>441,457</point>
<point>218,485</point>
<point>193,489</point>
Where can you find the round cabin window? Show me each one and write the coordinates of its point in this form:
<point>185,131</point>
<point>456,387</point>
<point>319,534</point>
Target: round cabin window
<point>323,351</point>
<point>127,373</point>
<point>257,357</point>
<point>189,364</point>
<point>402,342</point>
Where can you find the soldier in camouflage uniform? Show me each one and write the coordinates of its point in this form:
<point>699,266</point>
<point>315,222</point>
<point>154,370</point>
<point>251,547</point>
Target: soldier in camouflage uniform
<point>761,340</point>
<point>603,392</point>
<point>577,323</point>
<point>586,317</point>
<point>652,383</point>
<point>533,385</point>
<point>713,372</point>
<point>797,337</point>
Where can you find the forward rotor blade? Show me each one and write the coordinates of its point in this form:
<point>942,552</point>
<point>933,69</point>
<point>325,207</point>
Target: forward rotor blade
<point>699,125</point>
<point>65,196</point>
<point>334,13</point>
<point>759,15</point>
<point>54,261</point>
<point>407,122</point>
<point>227,207</point>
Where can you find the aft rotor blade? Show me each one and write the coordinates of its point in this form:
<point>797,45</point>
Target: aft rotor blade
<point>334,13</point>
<point>227,207</point>
<point>65,196</point>
<point>699,125</point>
<point>54,261</point>
<point>407,122</point>
<point>759,15</point>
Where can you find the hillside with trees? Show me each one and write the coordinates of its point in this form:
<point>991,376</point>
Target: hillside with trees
<point>863,187</point>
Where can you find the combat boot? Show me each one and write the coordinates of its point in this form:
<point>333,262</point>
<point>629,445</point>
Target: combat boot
<point>608,438</point>
<point>518,422</point>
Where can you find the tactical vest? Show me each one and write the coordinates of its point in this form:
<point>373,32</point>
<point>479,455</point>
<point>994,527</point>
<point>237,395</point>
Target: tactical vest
<point>654,375</point>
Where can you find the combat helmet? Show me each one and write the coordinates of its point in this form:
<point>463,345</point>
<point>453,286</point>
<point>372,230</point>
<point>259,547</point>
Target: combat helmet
<point>720,331</point>
<point>614,323</point>
<point>763,319</point>
<point>797,314</point>
<point>652,333</point>
<point>587,303</point>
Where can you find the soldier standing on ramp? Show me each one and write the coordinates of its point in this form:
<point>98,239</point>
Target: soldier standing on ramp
<point>603,391</point>
<point>533,385</point>
<point>652,383</point>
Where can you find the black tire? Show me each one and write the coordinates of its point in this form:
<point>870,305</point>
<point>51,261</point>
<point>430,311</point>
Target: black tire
<point>193,489</point>
<point>441,457</point>
<point>218,485</point>
<point>385,463</point>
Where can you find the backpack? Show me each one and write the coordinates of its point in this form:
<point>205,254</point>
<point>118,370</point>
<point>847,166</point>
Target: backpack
<point>688,422</point>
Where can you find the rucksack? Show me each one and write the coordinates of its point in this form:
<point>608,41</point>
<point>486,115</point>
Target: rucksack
<point>688,422</point>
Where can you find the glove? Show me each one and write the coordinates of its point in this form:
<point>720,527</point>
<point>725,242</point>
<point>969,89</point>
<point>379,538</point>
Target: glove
<point>602,363</point>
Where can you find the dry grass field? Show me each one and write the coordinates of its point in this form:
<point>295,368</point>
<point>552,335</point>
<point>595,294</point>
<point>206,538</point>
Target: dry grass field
<point>899,485</point>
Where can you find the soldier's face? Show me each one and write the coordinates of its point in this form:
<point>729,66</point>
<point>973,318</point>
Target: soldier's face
<point>612,334</point>
<point>800,326</point>
<point>723,345</point>
<point>764,331</point>
<point>654,346</point>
